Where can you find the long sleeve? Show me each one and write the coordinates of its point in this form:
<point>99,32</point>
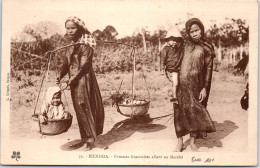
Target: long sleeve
<point>162,58</point>
<point>209,69</point>
<point>85,61</point>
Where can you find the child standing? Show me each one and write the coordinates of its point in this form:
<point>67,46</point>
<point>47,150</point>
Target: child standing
<point>171,59</point>
<point>52,107</point>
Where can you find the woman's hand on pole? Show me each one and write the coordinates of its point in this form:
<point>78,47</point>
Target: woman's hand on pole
<point>63,86</point>
<point>203,94</point>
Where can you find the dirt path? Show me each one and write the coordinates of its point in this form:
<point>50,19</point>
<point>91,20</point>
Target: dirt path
<point>149,133</point>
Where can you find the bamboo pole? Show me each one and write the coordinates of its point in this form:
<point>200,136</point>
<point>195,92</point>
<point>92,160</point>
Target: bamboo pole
<point>230,55</point>
<point>144,43</point>
<point>133,82</point>
<point>28,53</point>
<point>70,46</point>
<point>234,55</point>
<point>241,51</point>
<point>117,43</point>
<point>219,52</point>
<point>133,77</point>
<point>159,45</point>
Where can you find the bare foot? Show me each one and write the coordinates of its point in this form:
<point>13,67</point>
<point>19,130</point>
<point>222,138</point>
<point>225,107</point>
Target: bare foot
<point>194,148</point>
<point>178,148</point>
<point>89,146</point>
<point>173,99</point>
<point>78,145</point>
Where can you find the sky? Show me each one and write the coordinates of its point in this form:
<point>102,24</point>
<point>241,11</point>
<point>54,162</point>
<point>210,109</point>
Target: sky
<point>125,15</point>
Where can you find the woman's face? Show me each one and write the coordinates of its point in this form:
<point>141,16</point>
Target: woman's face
<point>71,29</point>
<point>195,32</point>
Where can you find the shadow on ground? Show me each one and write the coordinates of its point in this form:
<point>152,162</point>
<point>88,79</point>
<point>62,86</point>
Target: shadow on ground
<point>121,131</point>
<point>214,139</point>
<point>124,129</point>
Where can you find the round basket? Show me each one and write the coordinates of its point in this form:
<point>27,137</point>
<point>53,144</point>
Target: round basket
<point>52,126</point>
<point>134,110</point>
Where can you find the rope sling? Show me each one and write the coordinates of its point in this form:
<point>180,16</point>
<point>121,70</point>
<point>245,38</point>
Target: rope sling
<point>50,59</point>
<point>51,122</point>
<point>136,109</point>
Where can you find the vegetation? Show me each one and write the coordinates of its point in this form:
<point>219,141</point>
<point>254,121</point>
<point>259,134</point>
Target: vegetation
<point>29,48</point>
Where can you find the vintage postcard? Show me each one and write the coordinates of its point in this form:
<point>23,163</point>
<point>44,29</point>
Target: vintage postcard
<point>122,82</point>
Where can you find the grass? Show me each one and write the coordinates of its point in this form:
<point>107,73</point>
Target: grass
<point>23,99</point>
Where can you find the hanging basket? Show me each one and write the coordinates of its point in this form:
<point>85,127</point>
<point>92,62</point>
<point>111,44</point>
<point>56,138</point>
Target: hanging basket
<point>134,110</point>
<point>52,126</point>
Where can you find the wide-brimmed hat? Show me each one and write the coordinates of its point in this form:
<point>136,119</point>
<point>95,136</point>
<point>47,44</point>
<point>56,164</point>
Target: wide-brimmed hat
<point>174,35</point>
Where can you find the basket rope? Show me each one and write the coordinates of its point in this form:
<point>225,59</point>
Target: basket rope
<point>46,73</point>
<point>57,76</point>
<point>45,77</point>
<point>133,82</point>
<point>132,54</point>
<point>145,82</point>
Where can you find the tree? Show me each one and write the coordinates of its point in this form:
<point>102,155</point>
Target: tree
<point>159,35</point>
<point>144,33</point>
<point>109,33</point>
<point>36,32</point>
<point>213,35</point>
<point>98,34</point>
<point>242,32</point>
<point>232,34</point>
<point>34,41</point>
<point>235,34</point>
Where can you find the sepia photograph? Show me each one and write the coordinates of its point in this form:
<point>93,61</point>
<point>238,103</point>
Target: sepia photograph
<point>122,82</point>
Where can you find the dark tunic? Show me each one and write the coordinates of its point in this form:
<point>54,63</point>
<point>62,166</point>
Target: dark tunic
<point>195,73</point>
<point>85,93</point>
<point>170,59</point>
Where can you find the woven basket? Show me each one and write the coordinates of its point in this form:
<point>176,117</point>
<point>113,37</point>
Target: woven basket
<point>52,126</point>
<point>135,110</point>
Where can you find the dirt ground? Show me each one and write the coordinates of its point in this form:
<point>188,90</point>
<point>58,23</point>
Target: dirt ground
<point>153,132</point>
